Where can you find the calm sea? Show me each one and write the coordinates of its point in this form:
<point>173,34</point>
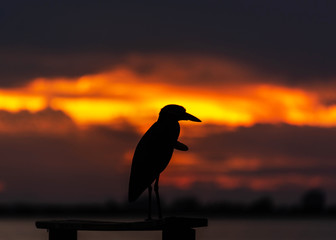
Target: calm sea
<point>218,230</point>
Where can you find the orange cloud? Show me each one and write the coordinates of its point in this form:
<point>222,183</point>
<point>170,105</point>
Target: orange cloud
<point>125,94</point>
<point>15,101</point>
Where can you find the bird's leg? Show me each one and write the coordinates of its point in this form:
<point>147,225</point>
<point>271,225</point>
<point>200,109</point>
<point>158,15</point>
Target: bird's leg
<point>156,190</point>
<point>149,202</point>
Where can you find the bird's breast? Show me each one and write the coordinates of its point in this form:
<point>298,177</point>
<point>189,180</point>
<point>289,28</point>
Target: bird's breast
<point>156,147</point>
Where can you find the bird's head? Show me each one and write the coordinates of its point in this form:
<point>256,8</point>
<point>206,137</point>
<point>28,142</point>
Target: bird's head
<point>177,113</point>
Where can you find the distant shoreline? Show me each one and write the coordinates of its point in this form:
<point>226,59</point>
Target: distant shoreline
<point>222,210</point>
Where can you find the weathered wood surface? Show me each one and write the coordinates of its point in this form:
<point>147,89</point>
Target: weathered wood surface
<point>152,225</point>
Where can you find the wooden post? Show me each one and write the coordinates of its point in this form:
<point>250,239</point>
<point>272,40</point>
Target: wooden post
<point>178,234</point>
<point>62,234</point>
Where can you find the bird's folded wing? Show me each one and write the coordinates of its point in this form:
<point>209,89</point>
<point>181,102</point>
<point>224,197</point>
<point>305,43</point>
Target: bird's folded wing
<point>180,146</point>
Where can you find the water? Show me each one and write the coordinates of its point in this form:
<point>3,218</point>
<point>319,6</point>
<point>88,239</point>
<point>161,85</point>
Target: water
<point>270,229</point>
<point>24,229</point>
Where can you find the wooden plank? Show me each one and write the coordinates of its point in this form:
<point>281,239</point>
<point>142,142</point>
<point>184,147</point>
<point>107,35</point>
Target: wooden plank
<point>152,225</point>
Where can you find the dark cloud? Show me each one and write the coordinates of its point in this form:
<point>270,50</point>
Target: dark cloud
<point>271,141</point>
<point>211,192</point>
<point>290,159</point>
<point>46,121</point>
<point>19,67</point>
<point>289,38</point>
<point>82,165</point>
<point>92,164</point>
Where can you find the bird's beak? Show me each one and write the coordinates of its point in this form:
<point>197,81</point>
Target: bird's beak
<point>188,116</point>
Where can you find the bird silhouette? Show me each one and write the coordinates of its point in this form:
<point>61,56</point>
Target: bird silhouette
<point>154,152</point>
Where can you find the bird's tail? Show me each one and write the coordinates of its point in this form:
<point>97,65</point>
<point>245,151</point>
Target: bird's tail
<point>131,198</point>
<point>134,192</point>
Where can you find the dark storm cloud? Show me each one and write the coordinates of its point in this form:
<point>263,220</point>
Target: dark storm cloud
<point>211,192</point>
<point>289,158</point>
<point>85,165</point>
<point>46,121</point>
<point>77,166</point>
<point>282,149</point>
<point>20,66</point>
<point>290,38</point>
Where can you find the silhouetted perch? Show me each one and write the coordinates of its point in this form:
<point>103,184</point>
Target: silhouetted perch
<point>172,228</point>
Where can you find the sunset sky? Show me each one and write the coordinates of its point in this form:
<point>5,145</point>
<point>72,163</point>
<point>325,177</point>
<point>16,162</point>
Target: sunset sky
<point>81,81</point>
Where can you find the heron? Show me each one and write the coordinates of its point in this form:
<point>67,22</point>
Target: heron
<point>154,151</point>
